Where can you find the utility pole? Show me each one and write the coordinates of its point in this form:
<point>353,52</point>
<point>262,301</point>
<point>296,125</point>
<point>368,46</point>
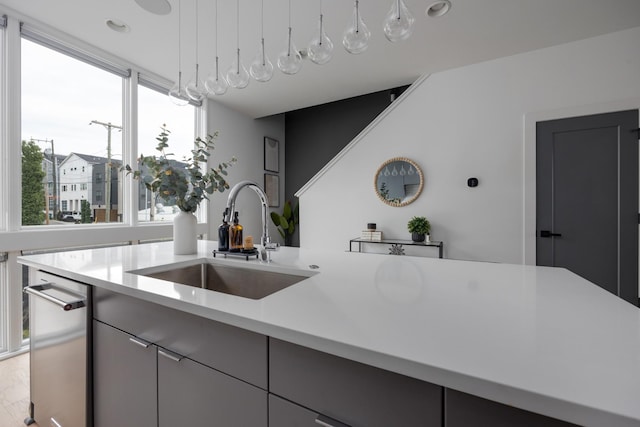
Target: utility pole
<point>107,166</point>
<point>54,161</point>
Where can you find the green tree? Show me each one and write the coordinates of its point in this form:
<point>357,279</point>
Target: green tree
<point>33,202</point>
<point>85,212</point>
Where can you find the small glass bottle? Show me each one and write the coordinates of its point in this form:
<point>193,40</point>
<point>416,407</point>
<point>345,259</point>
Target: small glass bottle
<point>235,235</point>
<point>223,233</point>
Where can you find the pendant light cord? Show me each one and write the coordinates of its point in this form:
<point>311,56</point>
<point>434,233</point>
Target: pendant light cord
<point>264,59</point>
<point>398,5</point>
<point>357,17</point>
<point>320,35</point>
<point>217,73</point>
<point>179,45</point>
<point>197,65</point>
<point>289,44</point>
<point>238,34</point>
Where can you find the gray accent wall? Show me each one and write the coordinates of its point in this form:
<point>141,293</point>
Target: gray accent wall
<point>316,134</point>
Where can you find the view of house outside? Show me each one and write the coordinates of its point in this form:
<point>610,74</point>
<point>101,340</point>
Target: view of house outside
<point>72,127</point>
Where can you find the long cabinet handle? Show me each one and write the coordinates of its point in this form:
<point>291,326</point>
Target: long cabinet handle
<point>140,342</point>
<point>328,422</point>
<point>170,355</point>
<point>37,290</point>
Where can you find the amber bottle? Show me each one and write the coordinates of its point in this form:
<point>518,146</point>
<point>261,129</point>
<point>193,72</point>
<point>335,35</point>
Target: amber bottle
<point>235,235</point>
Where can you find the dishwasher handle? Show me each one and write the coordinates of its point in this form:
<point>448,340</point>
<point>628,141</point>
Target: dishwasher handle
<point>36,290</point>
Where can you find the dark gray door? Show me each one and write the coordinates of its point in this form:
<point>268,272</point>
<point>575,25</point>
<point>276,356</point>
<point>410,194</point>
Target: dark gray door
<point>587,199</point>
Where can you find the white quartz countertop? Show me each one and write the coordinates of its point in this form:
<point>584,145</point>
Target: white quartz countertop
<point>542,339</point>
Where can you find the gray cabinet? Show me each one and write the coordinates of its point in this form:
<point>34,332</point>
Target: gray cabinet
<point>234,351</point>
<point>283,413</point>
<point>191,394</point>
<point>124,378</point>
<point>348,392</point>
<point>465,410</point>
<point>143,377</point>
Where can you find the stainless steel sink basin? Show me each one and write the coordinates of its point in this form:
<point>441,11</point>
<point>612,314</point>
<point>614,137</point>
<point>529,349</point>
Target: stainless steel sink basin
<point>245,282</point>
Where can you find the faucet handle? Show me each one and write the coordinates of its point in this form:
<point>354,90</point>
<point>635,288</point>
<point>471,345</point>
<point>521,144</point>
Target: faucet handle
<point>272,246</point>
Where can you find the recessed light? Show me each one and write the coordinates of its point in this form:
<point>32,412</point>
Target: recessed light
<point>438,8</point>
<point>117,25</point>
<point>159,7</point>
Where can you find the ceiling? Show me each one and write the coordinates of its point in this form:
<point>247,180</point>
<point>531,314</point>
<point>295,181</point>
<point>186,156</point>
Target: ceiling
<point>473,31</point>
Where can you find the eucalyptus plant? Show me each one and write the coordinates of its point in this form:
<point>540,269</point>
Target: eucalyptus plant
<point>189,185</point>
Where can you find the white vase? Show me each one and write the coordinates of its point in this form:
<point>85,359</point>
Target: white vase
<point>185,239</point>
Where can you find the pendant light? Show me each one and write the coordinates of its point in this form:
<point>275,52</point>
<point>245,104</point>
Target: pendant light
<point>237,75</point>
<point>398,24</point>
<point>320,48</point>
<point>215,83</point>
<point>195,87</point>
<point>177,95</point>
<point>290,60</point>
<point>356,36</point>
<point>261,68</point>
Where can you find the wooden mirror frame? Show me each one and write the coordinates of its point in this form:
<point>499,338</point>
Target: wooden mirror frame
<point>406,201</point>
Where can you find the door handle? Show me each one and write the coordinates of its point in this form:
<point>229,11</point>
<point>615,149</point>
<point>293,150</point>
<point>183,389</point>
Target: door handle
<point>37,290</point>
<point>547,233</point>
<point>170,355</point>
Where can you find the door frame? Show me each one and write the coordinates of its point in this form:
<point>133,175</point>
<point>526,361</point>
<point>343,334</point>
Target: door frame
<point>529,162</point>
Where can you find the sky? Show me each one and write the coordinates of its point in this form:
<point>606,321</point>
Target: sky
<point>61,96</point>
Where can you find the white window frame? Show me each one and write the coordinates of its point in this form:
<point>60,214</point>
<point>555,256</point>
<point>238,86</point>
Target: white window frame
<point>13,237</point>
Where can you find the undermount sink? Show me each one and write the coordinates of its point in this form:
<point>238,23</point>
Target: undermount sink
<point>253,283</point>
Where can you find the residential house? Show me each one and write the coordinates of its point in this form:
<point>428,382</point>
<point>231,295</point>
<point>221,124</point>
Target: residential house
<point>83,177</point>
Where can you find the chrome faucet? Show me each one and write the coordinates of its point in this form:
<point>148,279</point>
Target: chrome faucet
<point>265,241</point>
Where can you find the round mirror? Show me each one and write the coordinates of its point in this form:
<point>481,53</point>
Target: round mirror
<point>398,181</point>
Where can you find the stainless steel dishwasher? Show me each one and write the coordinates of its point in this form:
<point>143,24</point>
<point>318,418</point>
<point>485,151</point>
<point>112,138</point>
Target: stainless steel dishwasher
<point>58,324</point>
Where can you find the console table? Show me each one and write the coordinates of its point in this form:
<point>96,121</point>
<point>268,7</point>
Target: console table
<point>396,245</point>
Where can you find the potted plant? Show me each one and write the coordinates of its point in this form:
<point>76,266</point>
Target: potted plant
<point>286,222</point>
<point>419,227</point>
<point>184,184</point>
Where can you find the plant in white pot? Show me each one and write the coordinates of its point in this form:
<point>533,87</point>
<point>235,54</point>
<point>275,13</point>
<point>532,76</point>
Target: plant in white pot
<point>419,227</point>
<point>184,184</point>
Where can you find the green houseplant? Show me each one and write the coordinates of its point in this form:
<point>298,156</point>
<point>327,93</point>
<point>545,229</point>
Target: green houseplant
<point>419,227</point>
<point>286,222</point>
<point>182,183</point>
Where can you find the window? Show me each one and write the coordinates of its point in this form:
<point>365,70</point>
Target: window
<point>60,114</point>
<point>61,90</point>
<point>159,111</point>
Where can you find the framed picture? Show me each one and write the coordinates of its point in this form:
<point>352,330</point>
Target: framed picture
<point>271,154</point>
<point>272,189</point>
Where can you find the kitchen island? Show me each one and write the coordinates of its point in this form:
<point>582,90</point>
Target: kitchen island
<point>540,339</point>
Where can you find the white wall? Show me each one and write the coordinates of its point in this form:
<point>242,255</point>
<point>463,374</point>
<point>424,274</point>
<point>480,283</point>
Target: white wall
<point>461,123</point>
<point>242,137</point>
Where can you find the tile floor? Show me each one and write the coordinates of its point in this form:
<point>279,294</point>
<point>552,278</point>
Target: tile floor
<point>14,391</point>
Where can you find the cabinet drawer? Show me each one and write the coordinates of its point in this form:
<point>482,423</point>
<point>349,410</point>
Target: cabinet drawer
<point>350,392</point>
<point>237,352</point>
